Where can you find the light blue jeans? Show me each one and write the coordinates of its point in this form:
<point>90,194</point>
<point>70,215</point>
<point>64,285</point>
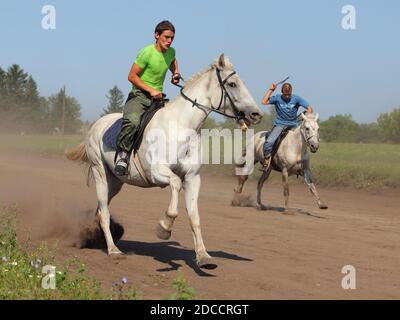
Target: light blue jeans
<point>273,136</point>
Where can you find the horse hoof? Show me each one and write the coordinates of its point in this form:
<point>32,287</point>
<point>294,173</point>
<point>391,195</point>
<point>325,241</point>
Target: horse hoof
<point>206,263</point>
<point>289,211</point>
<point>262,207</point>
<point>162,233</point>
<point>322,206</point>
<point>237,191</point>
<point>116,254</point>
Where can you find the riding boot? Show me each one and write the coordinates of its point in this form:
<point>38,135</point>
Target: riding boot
<point>121,164</point>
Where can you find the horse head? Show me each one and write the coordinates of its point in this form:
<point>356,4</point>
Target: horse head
<point>230,94</point>
<point>310,131</point>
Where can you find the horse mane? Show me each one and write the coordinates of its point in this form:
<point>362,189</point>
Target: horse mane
<point>194,77</point>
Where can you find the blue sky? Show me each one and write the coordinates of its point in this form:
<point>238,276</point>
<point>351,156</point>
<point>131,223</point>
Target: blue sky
<point>95,43</point>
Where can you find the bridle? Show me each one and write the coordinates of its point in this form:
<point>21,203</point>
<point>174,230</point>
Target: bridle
<point>306,139</point>
<point>238,115</point>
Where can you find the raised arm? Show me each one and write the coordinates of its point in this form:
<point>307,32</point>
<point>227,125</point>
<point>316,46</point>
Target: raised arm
<point>268,94</point>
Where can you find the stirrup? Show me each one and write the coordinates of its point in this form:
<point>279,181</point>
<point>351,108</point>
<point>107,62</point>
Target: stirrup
<point>121,167</point>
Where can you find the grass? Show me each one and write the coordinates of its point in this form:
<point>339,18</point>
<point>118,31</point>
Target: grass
<point>182,290</point>
<point>45,145</point>
<point>22,277</point>
<point>23,273</point>
<point>360,166</point>
<point>357,165</point>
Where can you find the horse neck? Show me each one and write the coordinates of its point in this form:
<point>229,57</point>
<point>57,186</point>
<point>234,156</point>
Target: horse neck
<point>298,138</point>
<point>189,116</point>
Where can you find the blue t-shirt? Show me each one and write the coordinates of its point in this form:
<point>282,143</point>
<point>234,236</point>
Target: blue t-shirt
<point>286,111</point>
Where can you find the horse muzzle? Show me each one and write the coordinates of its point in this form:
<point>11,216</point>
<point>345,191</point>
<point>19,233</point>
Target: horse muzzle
<point>255,117</point>
<point>313,148</point>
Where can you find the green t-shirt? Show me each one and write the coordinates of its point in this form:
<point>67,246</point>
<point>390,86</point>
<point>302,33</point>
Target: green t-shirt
<point>154,65</point>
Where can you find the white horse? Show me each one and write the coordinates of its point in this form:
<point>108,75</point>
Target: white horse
<point>217,85</point>
<point>291,158</point>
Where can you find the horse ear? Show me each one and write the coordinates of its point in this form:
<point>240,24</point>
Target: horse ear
<point>303,116</point>
<point>221,61</point>
<point>316,117</point>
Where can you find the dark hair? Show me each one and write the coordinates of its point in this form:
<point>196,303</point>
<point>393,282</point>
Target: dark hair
<point>286,87</point>
<point>164,25</point>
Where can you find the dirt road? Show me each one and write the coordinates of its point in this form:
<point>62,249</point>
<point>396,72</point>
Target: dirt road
<point>260,254</point>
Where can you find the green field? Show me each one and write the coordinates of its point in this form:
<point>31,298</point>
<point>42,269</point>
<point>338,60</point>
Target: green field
<point>359,166</point>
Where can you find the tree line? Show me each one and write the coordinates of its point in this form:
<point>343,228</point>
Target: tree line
<point>23,109</point>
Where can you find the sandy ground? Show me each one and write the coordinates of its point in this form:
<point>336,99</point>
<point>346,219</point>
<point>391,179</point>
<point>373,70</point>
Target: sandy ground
<point>260,254</point>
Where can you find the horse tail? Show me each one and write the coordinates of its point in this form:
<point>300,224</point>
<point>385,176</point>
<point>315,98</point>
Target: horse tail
<point>78,154</point>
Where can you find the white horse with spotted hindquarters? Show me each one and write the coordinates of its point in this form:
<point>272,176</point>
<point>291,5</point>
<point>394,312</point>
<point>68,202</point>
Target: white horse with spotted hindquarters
<point>291,158</point>
<point>215,88</point>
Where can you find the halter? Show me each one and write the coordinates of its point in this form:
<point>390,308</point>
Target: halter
<point>238,115</point>
<point>307,140</point>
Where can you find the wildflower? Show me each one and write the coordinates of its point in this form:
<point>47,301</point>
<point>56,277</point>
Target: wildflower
<point>14,263</point>
<point>4,259</point>
<point>124,280</point>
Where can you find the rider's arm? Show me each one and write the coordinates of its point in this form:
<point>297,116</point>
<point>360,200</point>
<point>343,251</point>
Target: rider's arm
<point>175,71</point>
<point>305,105</point>
<point>268,94</point>
<point>133,77</point>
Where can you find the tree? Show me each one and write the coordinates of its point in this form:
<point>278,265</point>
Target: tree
<point>267,121</point>
<point>115,101</point>
<point>3,76</point>
<point>339,128</point>
<point>210,123</point>
<point>389,126</point>
<point>368,133</point>
<point>72,113</point>
<point>16,80</point>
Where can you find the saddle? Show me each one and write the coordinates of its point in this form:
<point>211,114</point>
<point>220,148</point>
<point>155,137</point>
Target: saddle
<point>110,137</point>
<point>278,141</point>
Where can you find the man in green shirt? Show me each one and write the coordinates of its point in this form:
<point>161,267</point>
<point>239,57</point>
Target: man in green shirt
<point>147,76</point>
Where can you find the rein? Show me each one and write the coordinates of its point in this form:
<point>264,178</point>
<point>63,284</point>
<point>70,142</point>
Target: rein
<point>238,115</point>
<point>307,140</point>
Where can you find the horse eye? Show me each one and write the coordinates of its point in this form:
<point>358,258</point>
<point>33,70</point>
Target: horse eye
<point>232,85</point>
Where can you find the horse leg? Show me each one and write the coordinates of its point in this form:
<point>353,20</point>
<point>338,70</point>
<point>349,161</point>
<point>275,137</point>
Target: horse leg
<point>260,184</point>
<point>285,181</point>
<point>103,197</point>
<point>241,180</point>
<point>192,188</point>
<point>313,189</point>
<point>114,186</point>
<point>164,228</point>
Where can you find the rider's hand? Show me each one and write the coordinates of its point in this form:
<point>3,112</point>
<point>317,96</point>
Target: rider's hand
<point>175,78</point>
<point>272,87</point>
<point>155,94</point>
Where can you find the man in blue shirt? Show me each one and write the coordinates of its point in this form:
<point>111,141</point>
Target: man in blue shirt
<point>286,106</point>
